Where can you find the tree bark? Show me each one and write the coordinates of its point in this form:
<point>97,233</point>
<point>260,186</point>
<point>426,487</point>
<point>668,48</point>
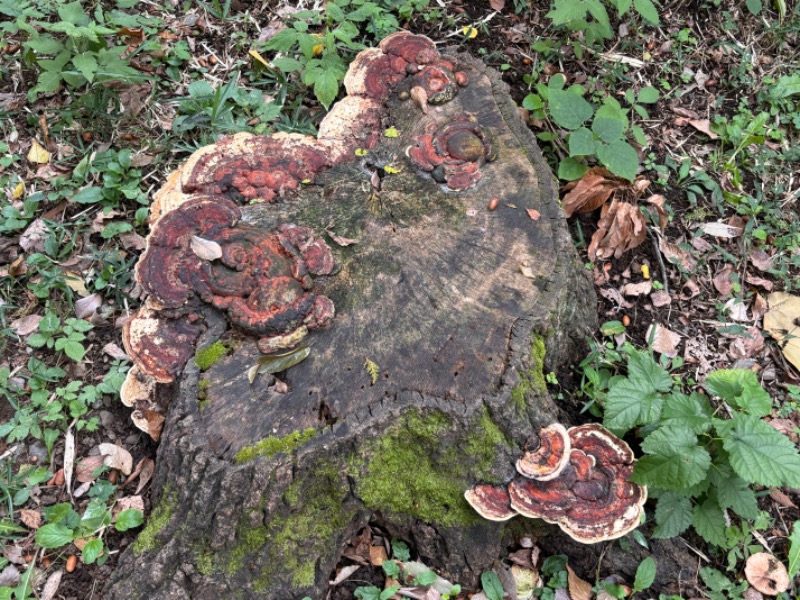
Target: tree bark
<point>258,486</point>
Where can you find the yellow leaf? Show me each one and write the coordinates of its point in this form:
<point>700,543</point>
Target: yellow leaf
<point>75,283</point>
<point>318,49</point>
<point>391,132</point>
<point>361,152</point>
<point>470,32</point>
<point>391,170</point>
<point>255,54</point>
<point>38,154</point>
<point>646,271</point>
<point>373,369</point>
<point>782,322</point>
<point>18,191</point>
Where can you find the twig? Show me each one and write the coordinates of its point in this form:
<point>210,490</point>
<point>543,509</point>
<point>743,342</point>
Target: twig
<point>660,259</point>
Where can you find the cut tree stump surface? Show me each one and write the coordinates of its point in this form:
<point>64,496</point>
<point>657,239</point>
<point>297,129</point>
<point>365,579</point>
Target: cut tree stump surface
<point>463,309</point>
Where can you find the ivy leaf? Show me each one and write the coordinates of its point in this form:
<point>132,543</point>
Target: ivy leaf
<point>687,412</point>
<point>758,453</point>
<point>620,158</point>
<point>674,461</point>
<point>568,109</point>
<point>794,550</point>
<point>673,515</point>
<point>641,365</point>
<point>53,535</point>
<point>709,522</point>
<point>630,402</point>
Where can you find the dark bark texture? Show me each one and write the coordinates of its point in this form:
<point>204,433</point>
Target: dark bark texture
<point>462,309</point>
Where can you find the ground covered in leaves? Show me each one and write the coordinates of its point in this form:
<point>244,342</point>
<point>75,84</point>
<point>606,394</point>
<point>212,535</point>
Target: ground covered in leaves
<point>673,129</point>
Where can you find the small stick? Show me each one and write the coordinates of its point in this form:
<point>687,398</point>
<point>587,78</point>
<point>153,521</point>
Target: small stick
<point>660,259</point>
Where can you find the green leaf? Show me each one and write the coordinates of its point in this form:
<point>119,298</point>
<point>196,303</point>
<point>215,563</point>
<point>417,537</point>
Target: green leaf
<point>623,6</point>
<point>645,575</point>
<point>648,95</point>
<point>71,348</point>
<point>491,586</point>
<point>275,363</point>
<point>425,578</point>
<point>754,6</point>
<point>115,228</point>
<point>388,592</point>
<point>758,453</point>
<point>570,169</point>
<point>709,522</point>
<point>88,195</point>
<point>86,64</point>
<point>643,367</point>
<point>629,403</point>
<point>8,528</point>
<point>53,535</point>
<point>283,40</point>
<point>326,86</point>
<point>367,592</point>
<point>287,64</point>
<point>581,142</point>
<point>740,388</point>
<point>92,550</point>
<point>400,551</point>
<point>733,492</point>
<point>674,461</point>
<point>687,412</point>
<point>620,158</point>
<point>566,11</point>
<point>673,515</point>
<point>608,130</point>
<point>532,102</point>
<point>568,110</point>
<point>73,13</point>
<point>129,518</point>
<point>794,550</point>
<point>786,86</point>
<point>46,44</point>
<point>647,10</point>
<point>48,81</point>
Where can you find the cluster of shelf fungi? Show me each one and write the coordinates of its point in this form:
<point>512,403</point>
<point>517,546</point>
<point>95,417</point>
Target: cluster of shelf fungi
<point>203,253</point>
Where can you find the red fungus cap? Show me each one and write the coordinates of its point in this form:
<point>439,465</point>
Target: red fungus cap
<point>550,455</point>
<point>412,48</point>
<point>491,502</point>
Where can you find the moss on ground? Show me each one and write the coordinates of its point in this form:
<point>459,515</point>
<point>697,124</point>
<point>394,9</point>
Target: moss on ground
<point>270,446</point>
<point>407,472</point>
<point>206,357</point>
<point>156,522</point>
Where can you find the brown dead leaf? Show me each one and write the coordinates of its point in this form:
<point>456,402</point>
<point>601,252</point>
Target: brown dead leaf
<point>51,585</point>
<point>690,290</point>
<point>377,555</point>
<point>116,457</point>
<point>703,126</point>
<point>133,241</point>
<point>497,4</point>
<point>591,191</point>
<point>127,502</point>
<point>664,340</point>
<point>722,280</point>
<point>155,423</point>
<point>26,325</point>
<point>767,574</point>
<point>523,558</point>
<point>205,249</point>
<point>748,344</point>
<point>578,588</point>
<point>782,322</point>
<point>660,298</point>
<point>621,227</point>
<point>677,255</point>
<point>759,307</point>
<point>148,467</point>
<point>34,236</point>
<point>685,112</point>
<point>721,230</point>
<point>535,215</point>
<point>786,427</point>
<point>615,296</point>
<point>760,282</point>
<point>642,288</point>
<point>115,351</point>
<point>86,466</point>
<point>761,260</point>
<point>86,307</point>
<point>343,574</point>
<point>658,201</point>
<point>31,518</point>
<point>781,498</point>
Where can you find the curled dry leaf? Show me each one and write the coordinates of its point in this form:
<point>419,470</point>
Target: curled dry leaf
<point>87,466</point>
<point>591,191</point>
<point>116,457</point>
<point>722,280</point>
<point>761,260</point>
<point>690,290</point>
<point>760,282</point>
<point>616,296</point>
<point>578,588</point>
<point>86,307</point>
<point>781,498</point>
<point>637,289</point>
<point>127,502</point>
<point>658,201</point>
<point>205,249</point>
<point>525,581</point>
<point>703,126</point>
<point>38,154</point>
<point>26,325</point>
<point>51,585</point>
<point>115,351</point>
<point>148,467</point>
<point>535,215</point>
<point>766,574</point>
<point>737,310</point>
<point>344,573</point>
<point>621,227</point>
<point>31,518</point>
<point>341,241</point>
<point>677,255</point>
<point>782,322</point>
<point>664,340</point>
<point>34,236</point>
<point>660,298</point>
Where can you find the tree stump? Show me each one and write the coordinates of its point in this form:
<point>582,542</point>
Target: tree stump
<point>458,301</point>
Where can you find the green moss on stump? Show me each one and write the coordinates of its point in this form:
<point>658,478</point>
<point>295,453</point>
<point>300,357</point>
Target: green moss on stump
<point>156,522</point>
<point>533,382</point>
<point>270,446</point>
<point>206,357</point>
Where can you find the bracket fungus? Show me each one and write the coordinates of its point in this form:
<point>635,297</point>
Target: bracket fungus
<point>262,280</point>
<point>579,483</point>
<point>453,152</point>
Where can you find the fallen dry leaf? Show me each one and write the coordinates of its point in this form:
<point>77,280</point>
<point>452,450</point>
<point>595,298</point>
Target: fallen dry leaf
<point>686,112</point>
<point>703,126</point>
<point>344,573</point>
<point>760,282</point>
<point>76,283</point>
<point>621,227</point>
<point>663,340</point>
<point>86,307</point>
<point>591,191</point>
<point>535,215</point>
<point>747,344</point>
<point>116,457</point>
<point>761,260</point>
<point>782,322</point>
<point>767,574</point>
<point>51,586</point>
<point>690,290</point>
<point>114,351</point>
<point>26,325</point>
<point>660,298</point>
<point>86,466</point>
<point>31,518</point>
<point>615,295</point>
<point>133,241</point>
<point>722,230</point>
<point>9,577</point>
<point>637,289</point>
<point>658,201</point>
<point>205,249</point>
<point>578,588</point>
<point>34,236</point>
<point>781,498</point>
<point>38,154</point>
<point>737,310</point>
<point>127,502</point>
<point>497,4</point>
<point>722,280</point>
<point>377,555</point>
<point>677,255</point>
<point>148,467</point>
<point>341,241</point>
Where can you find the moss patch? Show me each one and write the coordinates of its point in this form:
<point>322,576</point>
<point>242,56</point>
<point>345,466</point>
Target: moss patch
<point>206,357</point>
<point>270,446</point>
<point>156,522</point>
<point>408,472</point>
<point>533,382</point>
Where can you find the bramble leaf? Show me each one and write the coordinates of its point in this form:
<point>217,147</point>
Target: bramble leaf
<point>641,365</point>
<point>630,402</point>
<point>674,461</point>
<point>673,515</point>
<point>709,522</point>
<point>688,412</point>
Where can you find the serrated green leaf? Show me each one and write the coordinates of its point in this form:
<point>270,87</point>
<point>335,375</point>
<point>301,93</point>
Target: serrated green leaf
<point>45,44</point>
<point>287,64</point>
<point>645,575</point>
<point>794,550</point>
<point>674,461</point>
<point>759,453</point>
<point>570,169</point>
<point>733,492</point>
<point>71,348</point>
<point>647,10</point>
<point>326,86</point>
<point>786,86</point>
<point>620,158</point>
<point>128,519</point>
<point>740,388</point>
<point>687,412</point>
<point>629,403</point>
<point>568,110</point>
<point>608,130</point>
<point>53,535</point>
<point>425,578</point>
<point>566,11</point>
<point>49,81</point>
<point>642,366</point>
<point>581,142</point>
<point>86,63</point>
<point>673,515</point>
<point>283,40</point>
<point>709,522</point>
<point>648,95</point>
<point>73,13</point>
<point>92,551</point>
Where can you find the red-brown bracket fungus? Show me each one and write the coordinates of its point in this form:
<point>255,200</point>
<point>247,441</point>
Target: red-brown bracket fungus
<point>453,152</point>
<point>589,498</point>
